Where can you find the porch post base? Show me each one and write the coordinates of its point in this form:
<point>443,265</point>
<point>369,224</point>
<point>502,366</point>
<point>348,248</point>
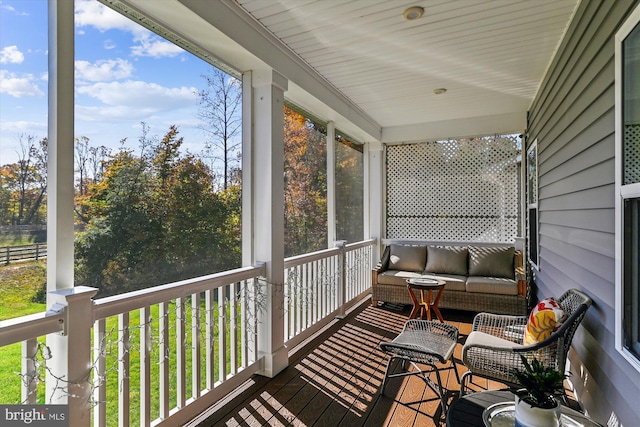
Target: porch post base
<point>274,363</point>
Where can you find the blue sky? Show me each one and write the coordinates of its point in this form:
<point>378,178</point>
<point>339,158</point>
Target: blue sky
<point>124,75</point>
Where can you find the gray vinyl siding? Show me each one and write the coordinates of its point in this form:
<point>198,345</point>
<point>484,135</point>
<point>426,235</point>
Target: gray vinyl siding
<point>572,118</point>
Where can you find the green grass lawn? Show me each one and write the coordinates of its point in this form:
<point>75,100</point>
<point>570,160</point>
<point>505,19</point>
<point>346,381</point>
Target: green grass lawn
<point>134,354</point>
<point>18,286</point>
<point>17,240</point>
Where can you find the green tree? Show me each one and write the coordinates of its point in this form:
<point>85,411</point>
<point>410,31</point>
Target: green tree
<point>5,196</point>
<point>121,228</point>
<point>156,218</point>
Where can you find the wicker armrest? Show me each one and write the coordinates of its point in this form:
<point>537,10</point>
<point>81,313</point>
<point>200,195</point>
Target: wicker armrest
<point>383,264</point>
<point>520,274</point>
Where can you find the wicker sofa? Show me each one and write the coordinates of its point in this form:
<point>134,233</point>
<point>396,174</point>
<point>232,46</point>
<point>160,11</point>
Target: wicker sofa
<point>478,277</point>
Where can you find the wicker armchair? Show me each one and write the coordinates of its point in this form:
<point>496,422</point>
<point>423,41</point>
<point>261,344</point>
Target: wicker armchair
<point>494,346</point>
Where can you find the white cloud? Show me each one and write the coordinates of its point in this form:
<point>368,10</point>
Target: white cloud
<point>11,131</point>
<point>11,55</point>
<point>109,44</point>
<point>154,47</point>
<point>18,86</point>
<point>92,13</point>
<point>13,9</point>
<point>103,18</point>
<point>25,127</point>
<point>104,70</point>
<point>112,113</point>
<point>133,100</point>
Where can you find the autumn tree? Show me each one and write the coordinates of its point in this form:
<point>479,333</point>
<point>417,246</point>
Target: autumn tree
<point>305,189</point>
<point>349,190</point>
<point>25,183</point>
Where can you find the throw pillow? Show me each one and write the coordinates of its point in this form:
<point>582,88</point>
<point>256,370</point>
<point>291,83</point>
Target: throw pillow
<point>408,258</point>
<point>492,261</point>
<point>447,260</point>
<point>545,318</point>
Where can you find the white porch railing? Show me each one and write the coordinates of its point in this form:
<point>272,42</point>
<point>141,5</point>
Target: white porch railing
<point>322,285</point>
<point>165,354</point>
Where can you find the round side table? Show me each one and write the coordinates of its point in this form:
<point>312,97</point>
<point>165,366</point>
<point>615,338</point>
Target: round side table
<point>426,303</point>
<point>468,410</point>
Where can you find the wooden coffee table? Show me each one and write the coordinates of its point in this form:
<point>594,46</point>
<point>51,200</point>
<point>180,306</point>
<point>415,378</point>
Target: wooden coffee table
<point>424,305</point>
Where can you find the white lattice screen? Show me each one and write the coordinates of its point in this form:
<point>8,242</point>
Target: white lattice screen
<point>455,190</point>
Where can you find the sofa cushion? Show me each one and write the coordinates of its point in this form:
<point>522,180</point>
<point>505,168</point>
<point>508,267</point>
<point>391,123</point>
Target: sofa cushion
<point>492,261</point>
<point>492,285</point>
<point>452,282</point>
<point>397,277</point>
<point>409,258</point>
<point>447,259</point>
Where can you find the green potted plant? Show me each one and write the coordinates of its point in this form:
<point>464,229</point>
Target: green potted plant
<point>536,402</point>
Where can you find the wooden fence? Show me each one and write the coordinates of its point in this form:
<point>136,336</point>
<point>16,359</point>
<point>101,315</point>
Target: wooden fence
<point>9,254</point>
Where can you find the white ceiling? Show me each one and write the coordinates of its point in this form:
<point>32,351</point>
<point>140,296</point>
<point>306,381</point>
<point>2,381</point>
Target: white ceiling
<point>359,63</point>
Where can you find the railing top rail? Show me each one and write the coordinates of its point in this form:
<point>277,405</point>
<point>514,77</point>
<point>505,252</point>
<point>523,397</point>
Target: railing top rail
<point>113,305</point>
<point>310,257</point>
<point>325,253</point>
<point>30,326</point>
<point>362,244</point>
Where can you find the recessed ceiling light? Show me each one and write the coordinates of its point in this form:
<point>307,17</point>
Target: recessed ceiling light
<point>413,13</point>
<point>440,91</point>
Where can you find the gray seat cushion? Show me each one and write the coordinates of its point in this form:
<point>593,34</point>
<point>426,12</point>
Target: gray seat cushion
<point>484,339</point>
<point>397,277</point>
<point>492,285</point>
<point>452,282</point>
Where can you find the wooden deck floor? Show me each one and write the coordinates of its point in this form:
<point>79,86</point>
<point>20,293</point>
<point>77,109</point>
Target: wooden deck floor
<point>336,379</point>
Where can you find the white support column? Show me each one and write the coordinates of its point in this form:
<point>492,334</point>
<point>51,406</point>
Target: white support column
<point>374,208</point>
<point>267,213</point>
<point>247,170</point>
<point>331,184</point>
<point>342,283</point>
<point>60,186</point>
<point>60,192</point>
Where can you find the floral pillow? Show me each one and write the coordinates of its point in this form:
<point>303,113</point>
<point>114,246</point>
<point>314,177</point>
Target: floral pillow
<point>546,317</point>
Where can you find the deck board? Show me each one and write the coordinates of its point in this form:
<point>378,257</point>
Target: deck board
<point>335,380</point>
